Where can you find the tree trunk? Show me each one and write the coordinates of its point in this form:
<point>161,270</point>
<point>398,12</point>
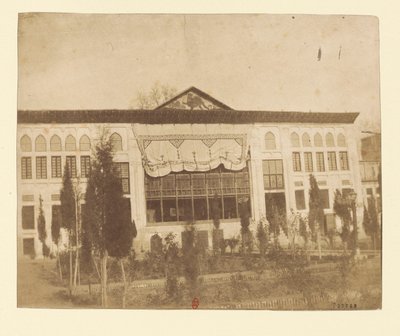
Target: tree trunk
<point>104,301</point>
<point>125,285</point>
<point>59,263</point>
<point>319,244</point>
<point>96,267</point>
<point>70,270</point>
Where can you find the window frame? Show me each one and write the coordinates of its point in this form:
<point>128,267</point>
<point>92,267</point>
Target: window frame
<point>270,141</point>
<point>344,160</point>
<point>308,162</point>
<point>26,167</point>
<point>41,167</point>
<point>296,161</point>
<point>230,186</point>
<point>332,164</point>
<point>56,166</point>
<point>70,160</point>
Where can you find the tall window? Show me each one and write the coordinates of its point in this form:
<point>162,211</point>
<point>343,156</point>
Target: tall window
<point>26,168</point>
<point>122,171</point>
<point>26,144</point>
<point>56,167</point>
<point>55,143</point>
<point>71,163</point>
<point>308,162</point>
<point>320,161</point>
<point>318,140</point>
<point>344,161</point>
<point>28,246</point>
<point>41,167</point>
<point>184,196</point>
<point>332,164</point>
<point>116,142</point>
<point>330,142</point>
<point>40,144</point>
<point>85,166</point>
<point>324,197</point>
<point>273,174</point>
<point>270,143</point>
<point>84,143</point>
<point>296,161</point>
<point>341,140</point>
<point>28,217</point>
<point>306,140</point>
<point>295,140</point>
<point>70,143</point>
<point>300,200</point>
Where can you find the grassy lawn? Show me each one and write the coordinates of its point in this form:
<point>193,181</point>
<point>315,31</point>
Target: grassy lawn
<point>328,285</point>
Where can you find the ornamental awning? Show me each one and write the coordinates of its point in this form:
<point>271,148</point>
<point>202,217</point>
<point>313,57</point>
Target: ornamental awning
<point>174,148</point>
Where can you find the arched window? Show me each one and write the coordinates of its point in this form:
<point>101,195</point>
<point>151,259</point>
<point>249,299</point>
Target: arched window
<point>270,141</point>
<point>55,143</point>
<point>26,144</point>
<point>40,144</point>
<point>84,143</point>
<point>70,143</point>
<point>330,142</point>
<point>341,140</point>
<point>306,140</point>
<point>295,140</point>
<point>318,140</point>
<point>116,142</point>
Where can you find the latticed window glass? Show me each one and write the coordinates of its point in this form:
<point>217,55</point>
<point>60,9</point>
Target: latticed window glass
<point>270,143</point>
<point>56,167</point>
<point>70,143</point>
<point>185,196</point>
<point>122,172</point>
<point>85,166</point>
<point>41,167</point>
<point>296,161</point>
<point>295,139</point>
<point>273,174</point>
<point>183,184</point>
<point>344,161</point>
<point>320,161</point>
<point>332,164</point>
<point>308,162</point>
<point>40,144</point>
<point>26,168</point>
<point>26,144</point>
<point>116,142</point>
<point>318,140</point>
<point>71,163</point>
<point>55,143</point>
<point>330,141</point>
<point>84,143</point>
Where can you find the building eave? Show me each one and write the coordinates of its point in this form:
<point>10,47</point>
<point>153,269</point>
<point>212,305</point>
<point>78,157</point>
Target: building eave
<point>176,116</point>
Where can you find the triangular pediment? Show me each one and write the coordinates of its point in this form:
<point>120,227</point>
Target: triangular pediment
<point>193,99</point>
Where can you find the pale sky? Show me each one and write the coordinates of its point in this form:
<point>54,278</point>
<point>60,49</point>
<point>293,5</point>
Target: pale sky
<point>249,62</point>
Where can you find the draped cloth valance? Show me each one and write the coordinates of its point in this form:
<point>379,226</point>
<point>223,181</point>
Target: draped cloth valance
<point>190,151</point>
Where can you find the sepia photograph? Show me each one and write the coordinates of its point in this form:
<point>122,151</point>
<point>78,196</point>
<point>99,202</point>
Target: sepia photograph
<point>199,161</point>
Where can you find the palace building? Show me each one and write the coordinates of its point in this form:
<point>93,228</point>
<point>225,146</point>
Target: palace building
<point>174,159</point>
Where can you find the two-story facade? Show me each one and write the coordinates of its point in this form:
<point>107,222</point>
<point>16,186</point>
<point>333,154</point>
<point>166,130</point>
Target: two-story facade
<point>174,159</point>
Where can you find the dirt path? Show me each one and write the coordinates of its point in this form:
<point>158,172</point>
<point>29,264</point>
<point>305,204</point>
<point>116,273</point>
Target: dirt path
<point>38,286</point>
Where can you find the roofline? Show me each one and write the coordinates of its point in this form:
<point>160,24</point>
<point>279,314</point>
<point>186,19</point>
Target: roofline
<point>199,92</point>
<point>175,116</point>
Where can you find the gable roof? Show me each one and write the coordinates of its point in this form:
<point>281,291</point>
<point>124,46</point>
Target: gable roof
<point>193,99</point>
